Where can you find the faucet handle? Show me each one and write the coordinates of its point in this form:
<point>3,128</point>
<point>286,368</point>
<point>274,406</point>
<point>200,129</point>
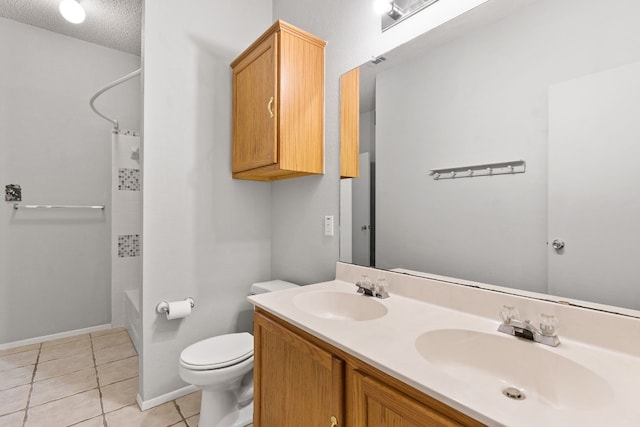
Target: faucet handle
<point>382,288</point>
<point>509,313</point>
<point>548,325</point>
<point>364,281</point>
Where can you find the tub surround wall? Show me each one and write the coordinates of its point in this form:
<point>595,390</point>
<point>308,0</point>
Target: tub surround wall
<point>205,235</point>
<point>126,227</point>
<point>56,263</point>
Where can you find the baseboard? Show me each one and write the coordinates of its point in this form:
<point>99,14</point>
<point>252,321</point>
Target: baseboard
<point>53,336</point>
<point>156,401</point>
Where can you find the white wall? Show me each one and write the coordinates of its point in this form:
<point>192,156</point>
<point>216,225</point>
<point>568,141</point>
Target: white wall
<point>487,102</point>
<point>300,251</point>
<point>205,235</point>
<point>54,275</point>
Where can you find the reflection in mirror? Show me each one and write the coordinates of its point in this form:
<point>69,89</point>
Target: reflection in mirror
<point>553,83</point>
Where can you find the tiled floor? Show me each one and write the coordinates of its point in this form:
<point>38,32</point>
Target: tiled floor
<point>86,380</point>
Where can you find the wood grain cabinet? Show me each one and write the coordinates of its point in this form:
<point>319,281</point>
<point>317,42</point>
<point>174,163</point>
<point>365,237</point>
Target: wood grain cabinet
<point>301,380</point>
<point>296,382</point>
<point>350,124</point>
<point>278,106</point>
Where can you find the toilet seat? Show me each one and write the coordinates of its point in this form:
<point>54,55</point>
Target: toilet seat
<point>218,352</point>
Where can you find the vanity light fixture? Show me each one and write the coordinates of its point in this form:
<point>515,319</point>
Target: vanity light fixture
<point>393,12</point>
<point>72,11</point>
<point>388,7</point>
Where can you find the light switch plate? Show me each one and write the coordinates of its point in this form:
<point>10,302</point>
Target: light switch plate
<point>328,225</point>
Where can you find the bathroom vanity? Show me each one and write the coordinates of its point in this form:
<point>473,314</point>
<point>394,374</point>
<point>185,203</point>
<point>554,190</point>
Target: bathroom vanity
<point>303,380</point>
<point>431,355</point>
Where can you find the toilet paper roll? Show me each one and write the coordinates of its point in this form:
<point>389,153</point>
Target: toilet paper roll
<point>179,309</point>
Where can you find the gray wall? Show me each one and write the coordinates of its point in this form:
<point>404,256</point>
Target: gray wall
<point>486,101</point>
<point>54,275</point>
<point>205,235</point>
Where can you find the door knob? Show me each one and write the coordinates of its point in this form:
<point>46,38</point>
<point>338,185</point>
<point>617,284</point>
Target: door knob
<point>334,421</point>
<point>557,244</point>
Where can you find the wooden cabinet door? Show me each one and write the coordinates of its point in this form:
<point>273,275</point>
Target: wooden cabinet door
<point>375,404</point>
<point>255,108</point>
<point>297,384</point>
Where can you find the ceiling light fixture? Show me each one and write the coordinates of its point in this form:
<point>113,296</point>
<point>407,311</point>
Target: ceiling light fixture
<point>72,11</point>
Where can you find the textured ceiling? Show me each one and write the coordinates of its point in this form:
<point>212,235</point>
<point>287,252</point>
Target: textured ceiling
<point>112,23</point>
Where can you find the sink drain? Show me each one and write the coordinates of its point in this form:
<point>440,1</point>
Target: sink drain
<point>513,393</point>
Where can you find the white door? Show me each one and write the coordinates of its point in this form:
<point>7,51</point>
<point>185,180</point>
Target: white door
<point>594,187</point>
<point>362,213</point>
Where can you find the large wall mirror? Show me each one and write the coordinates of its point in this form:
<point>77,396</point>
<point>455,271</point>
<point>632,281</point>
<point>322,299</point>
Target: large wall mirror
<point>555,83</point>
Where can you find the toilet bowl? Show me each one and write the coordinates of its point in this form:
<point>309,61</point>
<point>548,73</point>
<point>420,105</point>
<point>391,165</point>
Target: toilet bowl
<point>222,366</point>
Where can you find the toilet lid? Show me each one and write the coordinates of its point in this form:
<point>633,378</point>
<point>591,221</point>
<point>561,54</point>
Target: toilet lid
<point>218,352</point>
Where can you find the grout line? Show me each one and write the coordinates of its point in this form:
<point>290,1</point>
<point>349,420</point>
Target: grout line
<point>175,402</point>
<point>95,367</point>
<point>33,377</point>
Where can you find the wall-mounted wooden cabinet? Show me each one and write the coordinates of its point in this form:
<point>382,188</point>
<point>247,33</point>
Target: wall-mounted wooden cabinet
<point>301,380</point>
<point>278,106</point>
<point>350,124</point>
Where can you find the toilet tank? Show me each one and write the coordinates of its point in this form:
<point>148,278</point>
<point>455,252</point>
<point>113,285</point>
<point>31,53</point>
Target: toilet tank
<point>270,286</point>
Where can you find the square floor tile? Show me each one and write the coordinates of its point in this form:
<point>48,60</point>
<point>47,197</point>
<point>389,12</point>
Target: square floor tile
<point>16,377</point>
<point>12,420</point>
<point>14,399</point>
<point>63,386</point>
<point>19,349</point>
<point>58,367</point>
<point>107,331</point>
<point>193,421</point>
<point>67,411</point>
<point>190,404</point>
<point>65,350</point>
<point>116,371</point>
<point>110,340</point>
<point>16,360</point>
<point>120,394</point>
<point>116,352</point>
<point>160,416</point>
<point>64,340</point>
<point>93,422</point>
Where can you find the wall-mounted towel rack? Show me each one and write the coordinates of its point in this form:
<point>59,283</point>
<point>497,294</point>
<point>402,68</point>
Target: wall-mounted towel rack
<point>19,206</point>
<point>487,169</point>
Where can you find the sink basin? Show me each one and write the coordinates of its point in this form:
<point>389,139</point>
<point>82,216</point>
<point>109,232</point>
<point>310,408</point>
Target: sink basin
<point>339,305</point>
<point>516,368</point>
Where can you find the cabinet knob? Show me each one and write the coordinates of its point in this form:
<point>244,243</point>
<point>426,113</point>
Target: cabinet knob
<point>269,107</point>
<point>334,421</point>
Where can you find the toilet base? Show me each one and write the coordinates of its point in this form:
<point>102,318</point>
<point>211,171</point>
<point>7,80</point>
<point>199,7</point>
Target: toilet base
<point>239,418</point>
<point>219,408</point>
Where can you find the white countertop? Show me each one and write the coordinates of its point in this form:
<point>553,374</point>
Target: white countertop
<point>388,343</point>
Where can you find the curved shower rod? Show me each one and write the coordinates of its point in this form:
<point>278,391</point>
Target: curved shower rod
<point>106,88</point>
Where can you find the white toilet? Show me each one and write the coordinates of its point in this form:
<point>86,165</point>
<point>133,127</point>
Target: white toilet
<point>222,366</point>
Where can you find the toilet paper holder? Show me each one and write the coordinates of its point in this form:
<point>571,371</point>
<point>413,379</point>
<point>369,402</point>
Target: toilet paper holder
<point>163,306</point>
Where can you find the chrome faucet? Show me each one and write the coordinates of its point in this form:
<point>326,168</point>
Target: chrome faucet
<point>546,334</point>
<point>370,289</point>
